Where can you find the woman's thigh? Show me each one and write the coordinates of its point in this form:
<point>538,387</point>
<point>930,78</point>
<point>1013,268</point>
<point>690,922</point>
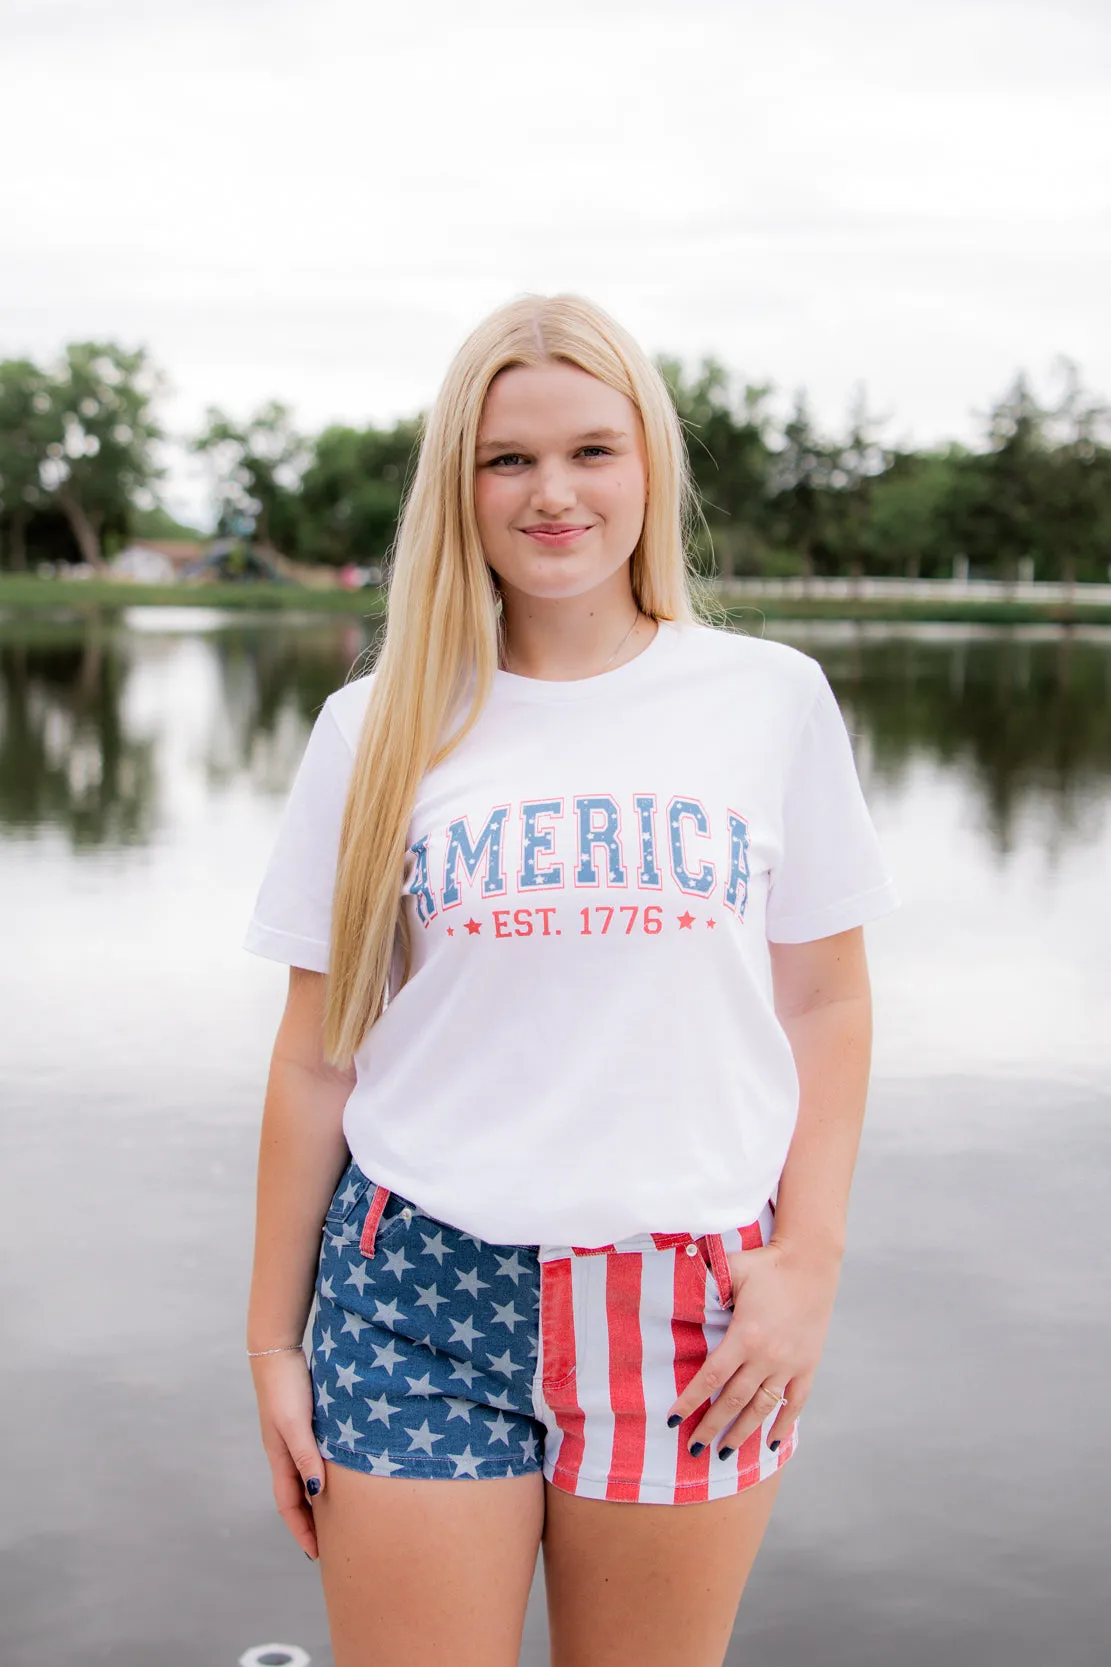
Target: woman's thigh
<point>648,1585</point>
<point>426,1571</point>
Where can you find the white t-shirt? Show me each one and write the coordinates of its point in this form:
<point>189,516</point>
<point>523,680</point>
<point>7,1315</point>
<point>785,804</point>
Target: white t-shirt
<point>587,1046</point>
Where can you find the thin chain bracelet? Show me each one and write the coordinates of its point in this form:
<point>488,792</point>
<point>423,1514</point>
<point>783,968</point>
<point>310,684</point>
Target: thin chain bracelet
<point>252,1354</point>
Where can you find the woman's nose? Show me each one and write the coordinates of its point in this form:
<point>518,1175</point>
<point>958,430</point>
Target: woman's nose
<point>552,489</point>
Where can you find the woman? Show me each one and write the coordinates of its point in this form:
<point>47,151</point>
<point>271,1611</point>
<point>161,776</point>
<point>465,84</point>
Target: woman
<point>566,1097</point>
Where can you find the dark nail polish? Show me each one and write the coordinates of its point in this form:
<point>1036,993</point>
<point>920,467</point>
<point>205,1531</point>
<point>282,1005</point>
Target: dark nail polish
<point>308,1554</point>
<point>773,1445</point>
<point>675,1420</point>
<point>724,1452</point>
<point>313,1485</point>
<point>696,1448</point>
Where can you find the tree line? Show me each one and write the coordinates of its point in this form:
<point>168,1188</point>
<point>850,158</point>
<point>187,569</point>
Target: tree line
<point>82,454</point>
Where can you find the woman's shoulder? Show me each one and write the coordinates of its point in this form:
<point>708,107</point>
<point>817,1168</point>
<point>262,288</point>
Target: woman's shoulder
<point>346,707</point>
<point>777,666</point>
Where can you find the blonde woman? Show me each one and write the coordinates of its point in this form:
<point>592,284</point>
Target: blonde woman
<point>566,1097</point>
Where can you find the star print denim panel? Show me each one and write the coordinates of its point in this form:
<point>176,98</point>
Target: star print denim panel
<point>438,1355</point>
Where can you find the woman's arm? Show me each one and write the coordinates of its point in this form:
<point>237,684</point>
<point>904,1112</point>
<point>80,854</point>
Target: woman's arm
<point>824,1003</point>
<point>783,1294</point>
<point>302,1153</point>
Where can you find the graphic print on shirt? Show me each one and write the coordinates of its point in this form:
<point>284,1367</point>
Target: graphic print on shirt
<point>553,848</point>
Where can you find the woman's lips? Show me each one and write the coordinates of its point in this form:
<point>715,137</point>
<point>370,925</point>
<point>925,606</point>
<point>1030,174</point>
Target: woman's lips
<point>555,535</point>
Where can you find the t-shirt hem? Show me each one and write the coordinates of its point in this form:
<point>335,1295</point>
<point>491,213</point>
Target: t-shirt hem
<point>837,917</point>
<point>287,947</point>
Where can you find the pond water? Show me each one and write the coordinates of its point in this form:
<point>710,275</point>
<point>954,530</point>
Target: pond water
<point>949,1498</point>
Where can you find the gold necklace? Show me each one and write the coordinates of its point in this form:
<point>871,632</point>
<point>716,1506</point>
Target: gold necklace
<point>621,644</point>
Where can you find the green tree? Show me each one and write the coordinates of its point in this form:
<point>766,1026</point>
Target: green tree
<point>100,452</point>
<point>258,467</point>
<point>727,424</point>
<point>856,467</point>
<point>802,504</point>
<point>906,532</point>
<point>352,489</point>
<point>25,432</point>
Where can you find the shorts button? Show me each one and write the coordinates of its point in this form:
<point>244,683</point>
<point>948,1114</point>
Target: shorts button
<point>406,1214</point>
<point>692,1250</point>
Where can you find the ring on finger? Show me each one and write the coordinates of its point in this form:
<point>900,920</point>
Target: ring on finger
<point>777,1395</point>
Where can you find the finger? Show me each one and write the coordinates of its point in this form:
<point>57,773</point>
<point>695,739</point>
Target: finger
<point>719,1366</point>
<point>741,1407</point>
<point>797,1393</point>
<point>298,1473</point>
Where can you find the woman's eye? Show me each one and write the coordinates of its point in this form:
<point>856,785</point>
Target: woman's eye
<point>603,450</point>
<point>508,457</point>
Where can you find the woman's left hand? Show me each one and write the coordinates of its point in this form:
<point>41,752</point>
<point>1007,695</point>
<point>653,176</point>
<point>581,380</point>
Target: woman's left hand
<point>782,1302</point>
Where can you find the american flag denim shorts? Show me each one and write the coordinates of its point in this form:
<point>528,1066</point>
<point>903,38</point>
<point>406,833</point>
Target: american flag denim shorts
<point>438,1355</point>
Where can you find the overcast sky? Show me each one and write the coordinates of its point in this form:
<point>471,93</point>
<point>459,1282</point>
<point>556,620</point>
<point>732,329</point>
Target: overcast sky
<point>315,199</point>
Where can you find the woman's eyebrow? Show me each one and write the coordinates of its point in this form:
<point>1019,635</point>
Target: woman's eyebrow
<point>578,440</point>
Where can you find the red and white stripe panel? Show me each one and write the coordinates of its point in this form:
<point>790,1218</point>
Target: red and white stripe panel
<point>623,1330</point>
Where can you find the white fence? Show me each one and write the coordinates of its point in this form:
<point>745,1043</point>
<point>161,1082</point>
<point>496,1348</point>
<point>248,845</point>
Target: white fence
<point>866,589</point>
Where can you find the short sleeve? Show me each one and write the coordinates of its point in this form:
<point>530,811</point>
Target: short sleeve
<point>293,910</point>
<point>832,874</point>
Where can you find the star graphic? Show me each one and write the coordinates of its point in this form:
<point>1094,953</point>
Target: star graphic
<point>429,1298</point>
<point>357,1276</point>
<point>348,1433</point>
<point>326,1344</point>
<point>323,1399</point>
<point>434,1246</point>
<point>382,1465</point>
<point>353,1324</point>
<point>426,1343</point>
<point>396,1262</point>
<point>349,1194</point>
<point>420,1386</point>
<point>463,1331</point>
<point>347,1378</point>
<point>508,1471</point>
<point>387,1313</point>
<point>500,1402</point>
<point>465,1463</point>
<point>711,923</point>
<point>380,1409</point>
<point>504,1364</point>
<point>387,1357</point>
<point>326,1289</point>
<point>528,1446</point>
<point>509,1267</point>
<point>505,1314</point>
<point>325,1450</point>
<point>499,1428</point>
<point>465,1372</point>
<point>470,1282</point>
<point>451,931</point>
<point>473,926</point>
<point>424,1437</point>
<point>686,921</point>
<point>460,1408</point>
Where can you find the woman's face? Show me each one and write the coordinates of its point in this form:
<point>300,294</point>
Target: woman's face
<point>560,479</point>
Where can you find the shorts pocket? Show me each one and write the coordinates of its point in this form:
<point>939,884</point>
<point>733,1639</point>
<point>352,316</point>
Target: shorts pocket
<point>715,1258</point>
<point>562,1331</point>
<point>349,1194</point>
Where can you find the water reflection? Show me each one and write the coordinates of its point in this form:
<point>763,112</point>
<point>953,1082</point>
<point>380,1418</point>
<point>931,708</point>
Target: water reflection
<point>88,714</point>
<point>142,766</point>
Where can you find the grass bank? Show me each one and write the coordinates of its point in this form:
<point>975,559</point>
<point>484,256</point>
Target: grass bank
<point>60,596</point>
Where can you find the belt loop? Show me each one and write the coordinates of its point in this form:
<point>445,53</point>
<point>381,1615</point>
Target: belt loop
<point>373,1217</point>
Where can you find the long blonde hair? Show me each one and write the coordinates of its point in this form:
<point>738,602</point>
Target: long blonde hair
<point>443,625</point>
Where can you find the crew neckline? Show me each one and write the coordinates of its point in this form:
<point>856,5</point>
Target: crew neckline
<point>602,682</point>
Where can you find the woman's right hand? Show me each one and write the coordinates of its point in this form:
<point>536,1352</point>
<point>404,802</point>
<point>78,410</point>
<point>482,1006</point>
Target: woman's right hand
<point>283,1385</point>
